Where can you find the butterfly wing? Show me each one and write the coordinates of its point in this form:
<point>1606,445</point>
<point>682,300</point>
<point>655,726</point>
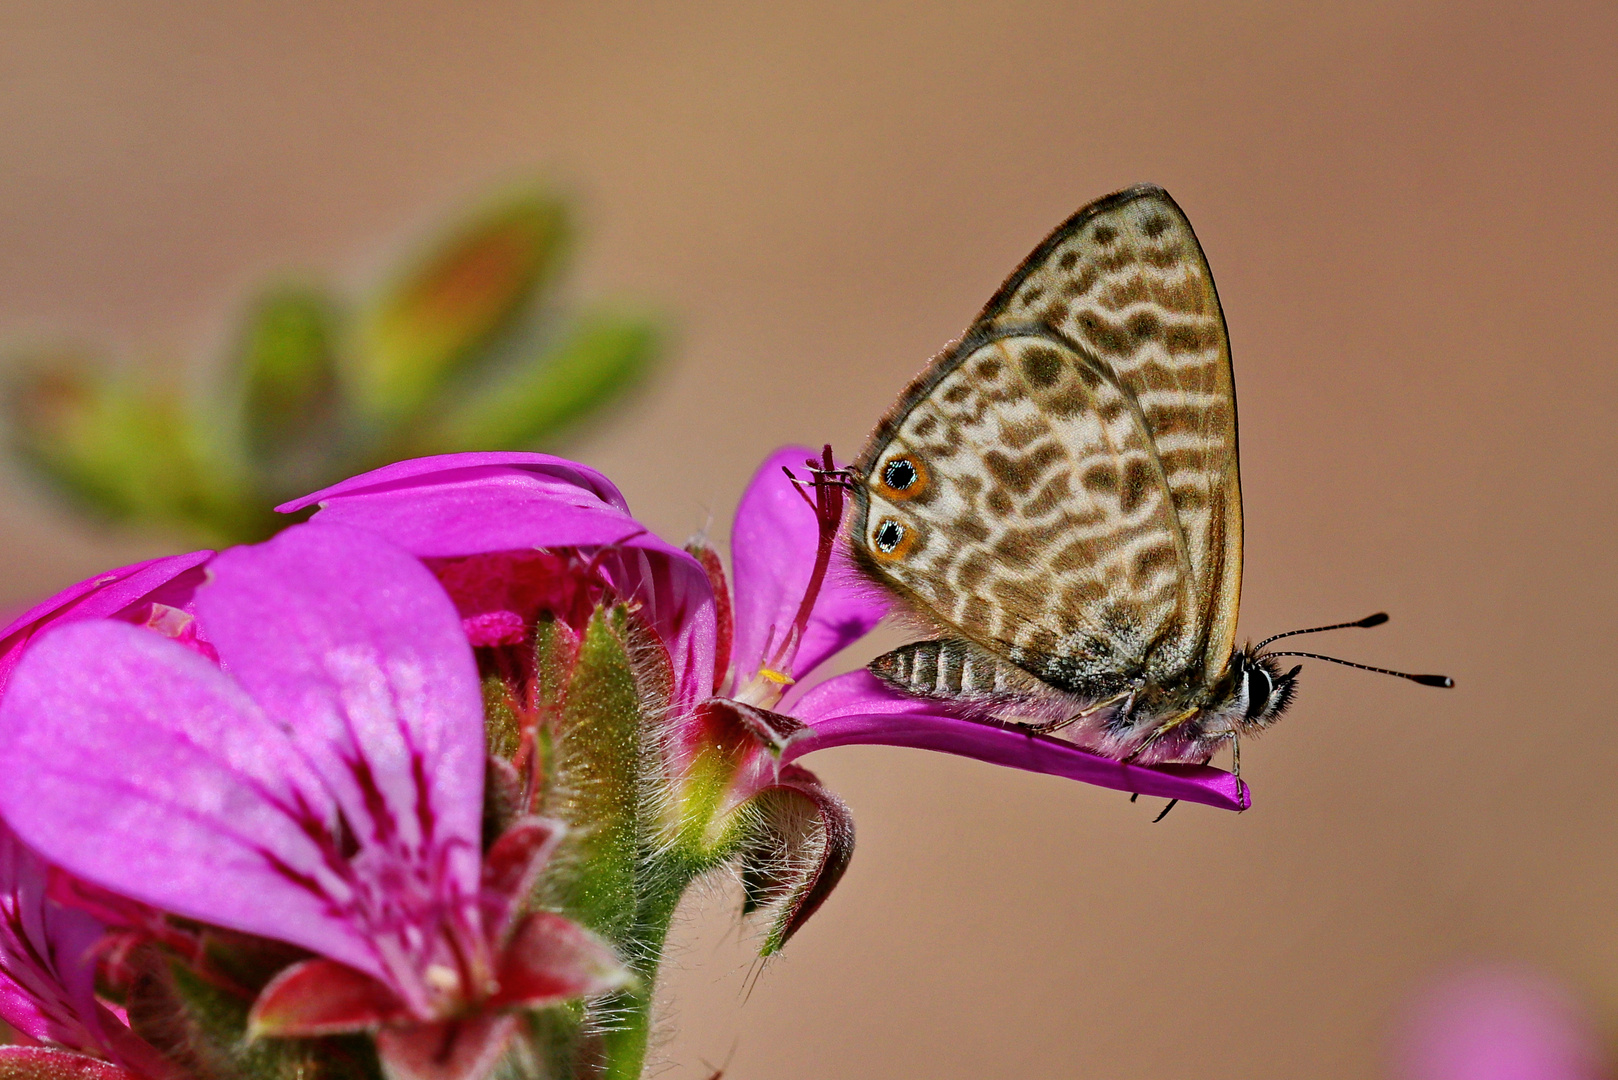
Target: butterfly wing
<point>1068,495</point>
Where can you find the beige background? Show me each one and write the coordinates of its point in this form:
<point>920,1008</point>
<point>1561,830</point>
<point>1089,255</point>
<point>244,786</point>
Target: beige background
<point>1410,211</point>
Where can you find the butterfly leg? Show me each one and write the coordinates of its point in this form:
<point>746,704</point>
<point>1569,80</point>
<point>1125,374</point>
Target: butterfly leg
<point>1163,813</point>
<point>1236,763</point>
<point>1162,730</point>
<point>1057,725</point>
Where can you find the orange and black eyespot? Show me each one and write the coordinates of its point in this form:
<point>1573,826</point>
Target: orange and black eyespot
<point>902,477</point>
<point>892,540</point>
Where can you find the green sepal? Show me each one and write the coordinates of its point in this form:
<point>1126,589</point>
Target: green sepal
<point>557,1038</point>
<point>437,319</point>
<point>532,399</point>
<point>595,782</point>
<point>797,840</point>
<point>501,722</point>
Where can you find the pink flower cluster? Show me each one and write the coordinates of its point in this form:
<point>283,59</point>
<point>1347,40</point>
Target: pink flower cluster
<point>287,742</point>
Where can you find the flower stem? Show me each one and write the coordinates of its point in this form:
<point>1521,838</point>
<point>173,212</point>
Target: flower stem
<point>624,1046</point>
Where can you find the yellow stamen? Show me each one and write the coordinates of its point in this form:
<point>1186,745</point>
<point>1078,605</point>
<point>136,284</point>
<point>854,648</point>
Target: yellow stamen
<point>775,677</point>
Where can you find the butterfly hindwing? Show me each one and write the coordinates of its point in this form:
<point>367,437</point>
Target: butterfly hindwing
<point>1037,526</point>
<point>1067,492</point>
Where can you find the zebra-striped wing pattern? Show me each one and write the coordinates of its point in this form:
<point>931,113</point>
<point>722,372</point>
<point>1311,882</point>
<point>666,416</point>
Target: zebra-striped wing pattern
<point>1061,487</point>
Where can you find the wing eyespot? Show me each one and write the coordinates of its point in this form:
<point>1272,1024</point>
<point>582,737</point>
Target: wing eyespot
<point>892,540</point>
<point>902,478</point>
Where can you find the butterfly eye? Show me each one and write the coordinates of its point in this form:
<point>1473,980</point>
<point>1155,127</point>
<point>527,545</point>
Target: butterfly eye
<point>1259,689</point>
<point>891,539</point>
<point>903,478</point>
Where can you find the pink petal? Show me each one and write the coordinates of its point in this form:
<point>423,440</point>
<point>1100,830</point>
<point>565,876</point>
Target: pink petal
<point>37,1063</point>
<point>469,504</point>
<point>321,997</point>
<point>453,1050</point>
<point>858,708</point>
<point>22,1010</point>
<point>510,867</point>
<point>353,646</point>
<point>552,959</point>
<point>99,597</point>
<point>139,766</point>
<point>1498,1025</point>
<point>411,474</point>
<point>47,955</point>
<point>772,553</point>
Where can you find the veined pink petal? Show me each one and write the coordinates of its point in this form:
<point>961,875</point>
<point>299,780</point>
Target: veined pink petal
<point>22,1010</point>
<point>469,511</point>
<point>772,552</point>
<point>340,811</point>
<point>98,597</point>
<point>354,648</point>
<point>470,504</point>
<point>859,708</point>
<point>140,767</point>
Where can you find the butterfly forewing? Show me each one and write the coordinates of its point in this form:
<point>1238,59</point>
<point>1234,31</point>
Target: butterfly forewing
<point>1061,486</point>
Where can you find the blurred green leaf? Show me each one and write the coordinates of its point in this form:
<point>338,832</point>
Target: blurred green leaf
<point>287,361</point>
<point>436,319</point>
<point>127,449</point>
<point>464,351</point>
<point>602,356</point>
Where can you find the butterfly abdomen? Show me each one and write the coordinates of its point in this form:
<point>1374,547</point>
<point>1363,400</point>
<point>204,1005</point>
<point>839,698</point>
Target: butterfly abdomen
<point>949,668</point>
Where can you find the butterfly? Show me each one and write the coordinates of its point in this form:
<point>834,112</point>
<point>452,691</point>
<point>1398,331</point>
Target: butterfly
<point>1059,493</point>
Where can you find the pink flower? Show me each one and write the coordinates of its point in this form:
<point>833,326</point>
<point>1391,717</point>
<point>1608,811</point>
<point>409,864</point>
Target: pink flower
<point>321,785</point>
<point>1498,1025</point>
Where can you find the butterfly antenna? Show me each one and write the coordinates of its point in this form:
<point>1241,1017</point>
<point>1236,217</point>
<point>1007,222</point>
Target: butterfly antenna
<point>1370,620</point>
<point>1425,680</point>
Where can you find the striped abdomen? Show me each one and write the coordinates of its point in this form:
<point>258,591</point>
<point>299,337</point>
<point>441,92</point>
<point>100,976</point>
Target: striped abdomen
<point>953,668</point>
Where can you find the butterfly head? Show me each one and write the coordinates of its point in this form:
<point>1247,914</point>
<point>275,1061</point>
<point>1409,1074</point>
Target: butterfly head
<point>1260,691</point>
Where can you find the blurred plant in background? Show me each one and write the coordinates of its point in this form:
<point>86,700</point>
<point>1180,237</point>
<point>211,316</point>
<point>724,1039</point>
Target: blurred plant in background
<point>467,347</point>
